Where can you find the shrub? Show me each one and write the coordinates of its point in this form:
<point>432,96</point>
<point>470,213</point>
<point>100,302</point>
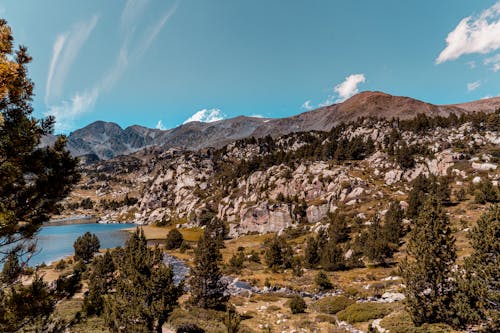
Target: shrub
<point>333,304</point>
<point>297,304</point>
<point>61,264</point>
<point>362,312</point>
<point>323,282</point>
<point>174,239</point>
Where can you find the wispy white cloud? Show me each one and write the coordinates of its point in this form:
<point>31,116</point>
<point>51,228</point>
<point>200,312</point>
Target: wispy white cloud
<point>131,12</point>
<point>206,116</point>
<point>256,116</point>
<point>68,110</point>
<point>471,64</point>
<point>155,29</point>
<point>479,34</point>
<point>473,85</point>
<point>347,88</point>
<point>159,125</point>
<point>64,52</point>
<point>67,46</point>
<point>307,105</point>
<point>56,52</point>
<point>494,62</point>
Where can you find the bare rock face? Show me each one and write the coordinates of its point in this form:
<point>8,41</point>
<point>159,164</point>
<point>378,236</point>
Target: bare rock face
<point>263,218</point>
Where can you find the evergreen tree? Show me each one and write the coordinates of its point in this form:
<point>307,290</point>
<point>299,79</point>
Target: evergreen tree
<point>478,290</point>
<point>426,274</point>
<point>102,281</point>
<point>323,282</point>
<point>85,246</point>
<point>338,228</point>
<point>393,227</point>
<point>207,287</point>
<point>145,292</point>
<point>32,181</point>
<point>377,248</point>
<point>217,230</point>
<point>332,256</point>
<point>311,256</point>
<point>174,239</point>
<point>11,269</point>
<point>278,253</point>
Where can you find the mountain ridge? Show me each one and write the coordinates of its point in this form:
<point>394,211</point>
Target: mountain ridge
<point>104,140</point>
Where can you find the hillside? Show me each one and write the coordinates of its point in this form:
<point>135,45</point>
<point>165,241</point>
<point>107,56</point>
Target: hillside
<point>101,140</point>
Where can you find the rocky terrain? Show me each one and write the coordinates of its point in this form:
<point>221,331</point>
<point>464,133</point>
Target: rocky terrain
<point>104,140</point>
<point>292,181</point>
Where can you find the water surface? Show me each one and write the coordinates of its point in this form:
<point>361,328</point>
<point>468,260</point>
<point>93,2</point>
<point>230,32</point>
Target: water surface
<point>56,242</point>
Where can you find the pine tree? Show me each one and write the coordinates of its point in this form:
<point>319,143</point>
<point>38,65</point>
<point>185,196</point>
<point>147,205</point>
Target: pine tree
<point>393,227</point>
<point>478,295</point>
<point>311,256</point>
<point>85,246</point>
<point>377,247</point>
<point>431,247</point>
<point>207,287</point>
<point>102,281</point>
<point>174,239</point>
<point>32,181</point>
<point>332,257</point>
<point>278,253</point>
<point>145,290</point>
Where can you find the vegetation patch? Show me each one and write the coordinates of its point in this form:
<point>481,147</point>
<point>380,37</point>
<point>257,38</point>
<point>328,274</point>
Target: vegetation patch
<point>332,304</point>
<point>362,312</point>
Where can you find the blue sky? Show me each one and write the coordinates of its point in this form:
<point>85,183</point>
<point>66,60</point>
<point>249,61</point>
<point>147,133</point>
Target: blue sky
<point>146,61</point>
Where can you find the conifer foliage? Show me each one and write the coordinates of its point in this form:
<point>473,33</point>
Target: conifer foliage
<point>85,246</point>
<point>145,290</point>
<point>207,287</point>
<point>32,181</point>
<point>431,247</point>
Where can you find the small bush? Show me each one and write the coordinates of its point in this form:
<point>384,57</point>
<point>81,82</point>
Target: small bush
<point>323,282</point>
<point>400,322</point>
<point>333,304</point>
<point>174,240</point>
<point>362,312</point>
<point>298,305</point>
<point>61,264</point>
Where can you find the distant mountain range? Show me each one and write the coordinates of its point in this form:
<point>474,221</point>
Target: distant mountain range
<point>104,140</point>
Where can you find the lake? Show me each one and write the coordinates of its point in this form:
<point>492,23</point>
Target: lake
<point>56,242</point>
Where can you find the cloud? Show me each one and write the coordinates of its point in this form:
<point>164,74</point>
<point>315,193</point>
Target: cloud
<point>473,85</point>
<point>155,29</point>
<point>132,10</point>
<point>159,125</point>
<point>68,110</point>
<point>67,46</point>
<point>307,105</point>
<point>349,87</point>
<point>64,52</point>
<point>471,64</point>
<point>473,35</point>
<point>206,116</point>
<point>494,62</point>
<point>256,116</point>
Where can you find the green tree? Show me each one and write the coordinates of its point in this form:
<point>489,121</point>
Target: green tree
<point>478,290</point>
<point>332,256</point>
<point>102,280</point>
<point>174,239</point>
<point>297,304</point>
<point>377,246</point>
<point>427,271</point>
<point>278,253</point>
<point>32,182</point>
<point>145,292</point>
<point>85,246</point>
<point>323,282</point>
<point>311,256</point>
<point>207,287</point>
<point>393,224</point>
